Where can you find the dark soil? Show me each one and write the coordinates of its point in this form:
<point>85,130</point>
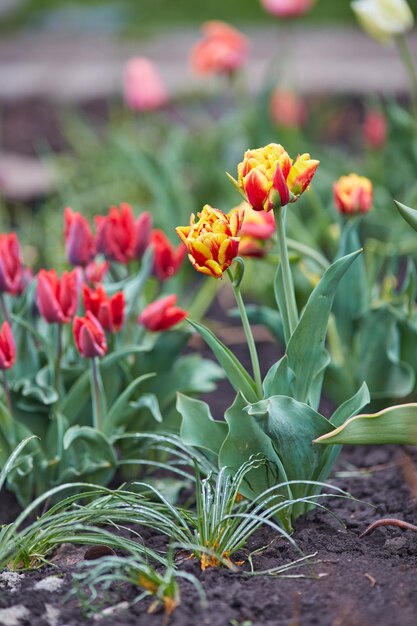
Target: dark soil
<point>358,582</point>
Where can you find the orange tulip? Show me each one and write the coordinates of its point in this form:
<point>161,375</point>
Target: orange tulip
<point>213,241</point>
<point>353,194</point>
<point>270,179</point>
<point>223,49</point>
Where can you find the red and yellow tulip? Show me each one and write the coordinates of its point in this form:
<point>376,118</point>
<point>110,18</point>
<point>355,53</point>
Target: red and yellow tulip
<point>269,178</point>
<point>213,241</point>
<point>353,194</point>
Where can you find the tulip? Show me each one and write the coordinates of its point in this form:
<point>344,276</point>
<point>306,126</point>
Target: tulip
<point>143,229</point>
<point>116,233</point>
<point>7,347</point>
<point>287,109</point>
<point>353,194</point>
<point>143,86</point>
<point>109,311</point>
<point>223,50</point>
<point>287,8</point>
<point>167,259</point>
<point>89,336</point>
<point>213,241</point>
<point>375,130</point>
<point>57,299</point>
<point>95,272</point>
<point>79,240</point>
<point>162,314</point>
<point>10,264</point>
<point>270,179</point>
<point>258,227</point>
<point>383,19</point>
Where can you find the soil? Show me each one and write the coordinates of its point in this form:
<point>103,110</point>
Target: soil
<point>355,582</point>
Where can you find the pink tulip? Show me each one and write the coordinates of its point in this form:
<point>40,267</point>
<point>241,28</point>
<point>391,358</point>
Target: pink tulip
<point>375,130</point>
<point>89,336</point>
<point>79,240</point>
<point>287,8</point>
<point>142,86</point>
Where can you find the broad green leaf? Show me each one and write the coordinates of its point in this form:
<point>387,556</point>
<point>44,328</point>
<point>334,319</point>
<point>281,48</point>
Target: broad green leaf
<point>379,359</point>
<point>306,352</point>
<point>396,424</point>
<point>292,426</point>
<point>278,381</point>
<point>198,428</point>
<point>150,402</point>
<point>407,213</point>
<point>244,439</point>
<point>116,411</point>
<point>351,406</point>
<point>235,372</point>
<point>87,455</point>
<point>351,298</point>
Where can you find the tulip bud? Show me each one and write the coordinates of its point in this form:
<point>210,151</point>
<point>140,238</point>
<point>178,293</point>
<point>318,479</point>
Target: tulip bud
<point>57,299</point>
<point>167,259</point>
<point>212,242</point>
<point>383,19</point>
<point>116,233</point>
<point>7,347</point>
<point>79,240</point>
<point>89,336</point>
<point>353,194</point>
<point>143,228</point>
<point>162,314</point>
<point>223,50</point>
<point>109,311</point>
<point>10,264</point>
<point>143,86</point>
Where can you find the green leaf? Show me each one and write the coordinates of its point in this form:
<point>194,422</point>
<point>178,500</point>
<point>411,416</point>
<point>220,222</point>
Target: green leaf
<point>235,372</point>
<point>278,381</point>
<point>245,439</point>
<point>266,316</point>
<point>116,411</point>
<point>396,424</point>
<point>351,406</point>
<point>306,352</point>
<point>149,401</point>
<point>407,213</point>
<point>198,428</point>
<point>351,298</point>
<point>88,455</point>
<point>7,467</point>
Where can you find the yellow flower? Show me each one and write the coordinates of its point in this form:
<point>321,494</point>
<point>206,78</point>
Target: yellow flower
<point>270,179</point>
<point>213,241</point>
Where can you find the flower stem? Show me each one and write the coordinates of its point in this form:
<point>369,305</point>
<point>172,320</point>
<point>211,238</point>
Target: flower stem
<point>96,396</point>
<point>57,377</point>
<point>249,336</point>
<point>7,392</point>
<point>292,312</point>
<point>410,68</point>
<point>3,309</point>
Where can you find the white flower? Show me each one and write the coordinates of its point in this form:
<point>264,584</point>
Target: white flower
<point>383,19</point>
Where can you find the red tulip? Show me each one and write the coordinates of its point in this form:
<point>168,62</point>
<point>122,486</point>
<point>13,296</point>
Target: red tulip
<point>10,264</point>
<point>116,233</point>
<point>89,336</point>
<point>7,347</point>
<point>79,240</point>
<point>57,299</point>
<point>143,87</point>
<point>167,259</point>
<point>143,228</point>
<point>162,314</point>
<point>110,311</point>
<point>94,272</point>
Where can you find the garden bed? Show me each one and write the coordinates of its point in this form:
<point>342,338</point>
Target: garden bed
<point>354,582</point>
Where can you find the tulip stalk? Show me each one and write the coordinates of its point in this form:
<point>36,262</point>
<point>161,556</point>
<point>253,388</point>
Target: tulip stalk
<point>96,393</point>
<point>407,59</point>
<point>291,304</point>
<point>235,281</point>
<point>3,308</point>
<point>7,392</point>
